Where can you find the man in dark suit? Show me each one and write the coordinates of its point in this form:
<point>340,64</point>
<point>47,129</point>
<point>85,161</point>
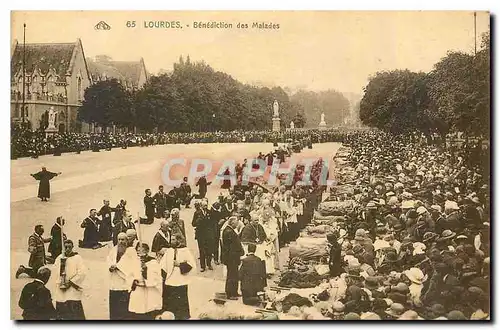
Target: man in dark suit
<point>122,226</point>
<point>252,276</point>
<point>35,300</point>
<point>149,207</point>
<point>36,248</point>
<point>205,234</point>
<point>231,252</point>
<point>119,210</point>
<point>160,199</point>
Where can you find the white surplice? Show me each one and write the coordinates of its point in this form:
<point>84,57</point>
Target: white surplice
<point>75,272</point>
<point>148,298</point>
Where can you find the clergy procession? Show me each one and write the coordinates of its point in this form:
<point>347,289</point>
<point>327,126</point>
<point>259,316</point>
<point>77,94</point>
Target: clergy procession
<point>403,234</point>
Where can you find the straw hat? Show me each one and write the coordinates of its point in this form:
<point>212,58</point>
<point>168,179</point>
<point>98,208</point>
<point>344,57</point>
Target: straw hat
<point>479,315</point>
<point>447,234</point>
<point>421,210</point>
<point>415,275</point>
<point>429,236</point>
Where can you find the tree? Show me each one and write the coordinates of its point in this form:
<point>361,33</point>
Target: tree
<point>396,101</point>
<point>459,89</point>
<point>332,103</point>
<point>195,97</point>
<point>106,103</point>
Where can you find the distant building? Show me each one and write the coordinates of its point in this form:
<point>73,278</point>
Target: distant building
<point>132,75</point>
<point>56,75</point>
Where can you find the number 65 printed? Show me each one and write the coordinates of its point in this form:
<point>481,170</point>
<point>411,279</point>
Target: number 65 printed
<point>130,24</point>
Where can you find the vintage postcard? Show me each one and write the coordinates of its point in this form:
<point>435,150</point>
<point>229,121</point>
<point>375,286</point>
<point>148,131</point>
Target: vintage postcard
<point>250,165</point>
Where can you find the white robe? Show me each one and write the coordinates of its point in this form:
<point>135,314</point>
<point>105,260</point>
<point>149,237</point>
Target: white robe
<point>271,246</point>
<point>174,276</point>
<point>75,272</point>
<point>145,299</point>
<point>119,280</point>
<point>287,206</point>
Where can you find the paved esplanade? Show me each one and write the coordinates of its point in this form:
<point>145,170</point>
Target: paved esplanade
<point>89,178</point>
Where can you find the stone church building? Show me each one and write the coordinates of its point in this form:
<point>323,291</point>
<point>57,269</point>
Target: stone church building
<point>56,76</point>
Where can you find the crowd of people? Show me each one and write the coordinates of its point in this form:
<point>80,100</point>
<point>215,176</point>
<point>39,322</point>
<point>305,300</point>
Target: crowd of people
<point>404,234</point>
<point>27,143</point>
<point>408,233</point>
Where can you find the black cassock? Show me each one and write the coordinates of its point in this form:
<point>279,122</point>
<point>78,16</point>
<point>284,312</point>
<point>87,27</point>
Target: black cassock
<point>105,228</point>
<point>44,187</point>
<point>91,233</point>
<point>55,245</point>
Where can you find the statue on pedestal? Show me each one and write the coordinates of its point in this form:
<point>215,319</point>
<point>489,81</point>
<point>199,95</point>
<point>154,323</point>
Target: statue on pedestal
<point>322,123</point>
<point>292,125</point>
<point>52,118</point>
<point>276,108</point>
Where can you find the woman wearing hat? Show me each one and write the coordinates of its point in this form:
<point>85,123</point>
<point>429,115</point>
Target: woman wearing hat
<point>429,239</point>
<point>446,240</point>
<point>417,279</point>
<point>389,263</point>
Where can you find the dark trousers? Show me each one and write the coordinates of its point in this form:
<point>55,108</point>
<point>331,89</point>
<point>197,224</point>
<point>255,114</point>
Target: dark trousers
<point>232,278</point>
<point>118,305</point>
<point>143,317</point>
<point>178,301</point>
<point>160,210</point>
<point>70,310</point>
<point>217,246</point>
<point>206,250</point>
<point>186,201</point>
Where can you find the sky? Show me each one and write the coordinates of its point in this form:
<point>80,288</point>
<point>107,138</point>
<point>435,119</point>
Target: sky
<point>313,50</point>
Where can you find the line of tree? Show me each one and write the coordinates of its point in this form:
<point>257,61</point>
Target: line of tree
<point>453,97</point>
<point>332,103</point>
<point>194,97</point>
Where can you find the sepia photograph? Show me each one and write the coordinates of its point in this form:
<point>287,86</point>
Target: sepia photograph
<point>250,165</point>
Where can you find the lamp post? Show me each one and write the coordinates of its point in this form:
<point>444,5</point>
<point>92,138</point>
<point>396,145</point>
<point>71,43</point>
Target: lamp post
<point>24,73</point>
<point>213,122</point>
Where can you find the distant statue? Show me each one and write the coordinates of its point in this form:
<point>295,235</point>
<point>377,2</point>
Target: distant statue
<point>276,109</point>
<point>52,117</point>
<point>322,123</point>
<point>292,125</point>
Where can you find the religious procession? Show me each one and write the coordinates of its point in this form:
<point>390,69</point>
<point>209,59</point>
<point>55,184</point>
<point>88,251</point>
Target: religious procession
<point>404,234</point>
